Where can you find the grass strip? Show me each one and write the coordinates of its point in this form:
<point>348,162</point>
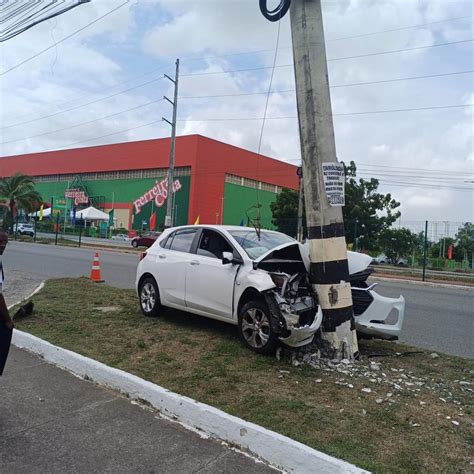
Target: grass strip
<point>382,429</point>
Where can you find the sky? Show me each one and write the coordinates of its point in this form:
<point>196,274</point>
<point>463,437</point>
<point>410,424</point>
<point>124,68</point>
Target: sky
<point>105,84</point>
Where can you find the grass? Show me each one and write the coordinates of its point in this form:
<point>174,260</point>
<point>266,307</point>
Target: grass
<point>204,359</point>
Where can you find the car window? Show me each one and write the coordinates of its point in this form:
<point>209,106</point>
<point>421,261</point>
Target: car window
<point>255,247</point>
<point>182,240</point>
<point>212,244</point>
<point>166,242</point>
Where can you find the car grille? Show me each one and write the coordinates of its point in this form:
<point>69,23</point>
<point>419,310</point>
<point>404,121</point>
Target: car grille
<point>361,301</point>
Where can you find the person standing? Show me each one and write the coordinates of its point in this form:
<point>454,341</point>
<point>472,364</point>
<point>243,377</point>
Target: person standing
<point>6,322</point>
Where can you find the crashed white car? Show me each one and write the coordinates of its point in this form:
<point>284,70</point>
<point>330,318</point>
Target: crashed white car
<point>259,283</point>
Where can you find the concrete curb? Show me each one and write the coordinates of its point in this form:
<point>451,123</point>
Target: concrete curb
<point>280,451</point>
<point>441,284</point>
<point>40,287</point>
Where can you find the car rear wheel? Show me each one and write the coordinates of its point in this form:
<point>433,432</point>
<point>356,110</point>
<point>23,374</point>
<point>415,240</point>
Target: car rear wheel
<point>134,243</point>
<point>149,297</point>
<point>255,328</point>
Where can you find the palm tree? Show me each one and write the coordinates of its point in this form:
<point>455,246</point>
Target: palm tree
<point>18,191</point>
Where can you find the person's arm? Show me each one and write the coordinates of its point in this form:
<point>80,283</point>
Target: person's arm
<point>4,314</point>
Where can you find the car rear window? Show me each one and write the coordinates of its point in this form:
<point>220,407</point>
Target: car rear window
<point>182,240</point>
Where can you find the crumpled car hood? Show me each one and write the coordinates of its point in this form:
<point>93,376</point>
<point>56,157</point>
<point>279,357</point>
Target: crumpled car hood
<point>292,251</point>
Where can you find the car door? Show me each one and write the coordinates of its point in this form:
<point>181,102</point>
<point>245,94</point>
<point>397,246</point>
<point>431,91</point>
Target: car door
<point>172,261</point>
<point>210,283</point>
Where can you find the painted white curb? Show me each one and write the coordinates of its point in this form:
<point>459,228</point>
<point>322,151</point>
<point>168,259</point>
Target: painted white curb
<point>40,287</point>
<point>423,283</point>
<point>278,450</point>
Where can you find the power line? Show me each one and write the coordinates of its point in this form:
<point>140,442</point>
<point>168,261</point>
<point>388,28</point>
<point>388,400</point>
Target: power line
<point>83,123</point>
<point>292,117</point>
<point>63,39</point>
<point>449,43</point>
<point>333,86</point>
<point>82,105</point>
<point>243,53</point>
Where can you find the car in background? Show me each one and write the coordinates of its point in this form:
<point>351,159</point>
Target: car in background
<point>121,237</point>
<point>24,229</point>
<point>260,283</point>
<point>381,259</point>
<point>147,239</point>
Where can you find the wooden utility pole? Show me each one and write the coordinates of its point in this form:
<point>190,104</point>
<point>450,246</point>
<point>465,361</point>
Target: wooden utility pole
<point>329,272</point>
<point>170,192</point>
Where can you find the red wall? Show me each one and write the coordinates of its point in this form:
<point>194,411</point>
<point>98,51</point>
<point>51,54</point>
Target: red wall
<point>209,160</point>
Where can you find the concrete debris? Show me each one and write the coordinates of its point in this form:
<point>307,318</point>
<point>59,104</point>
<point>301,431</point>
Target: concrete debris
<point>364,412</point>
<point>379,400</point>
<point>284,371</point>
<point>278,353</point>
<point>455,423</point>
<point>422,403</point>
<point>367,390</point>
<point>389,394</point>
<point>433,355</point>
<point>350,385</point>
<point>463,382</point>
<point>414,424</point>
<point>374,366</point>
<point>318,380</point>
<point>346,362</point>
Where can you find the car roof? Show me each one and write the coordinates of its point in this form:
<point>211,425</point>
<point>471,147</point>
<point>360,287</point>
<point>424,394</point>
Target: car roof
<point>223,227</point>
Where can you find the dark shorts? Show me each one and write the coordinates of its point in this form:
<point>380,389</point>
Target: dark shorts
<point>5,340</point>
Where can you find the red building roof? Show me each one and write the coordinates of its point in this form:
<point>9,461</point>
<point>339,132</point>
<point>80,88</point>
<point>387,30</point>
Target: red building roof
<point>209,160</point>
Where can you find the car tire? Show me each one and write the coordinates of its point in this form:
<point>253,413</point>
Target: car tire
<point>134,243</point>
<point>255,327</point>
<point>149,297</point>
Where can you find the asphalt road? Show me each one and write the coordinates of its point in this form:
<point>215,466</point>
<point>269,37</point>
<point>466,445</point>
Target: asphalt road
<point>437,318</point>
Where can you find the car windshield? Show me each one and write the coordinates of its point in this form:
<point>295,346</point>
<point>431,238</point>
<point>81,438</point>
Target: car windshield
<point>249,241</point>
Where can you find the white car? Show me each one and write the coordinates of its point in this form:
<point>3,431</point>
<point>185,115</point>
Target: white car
<point>122,237</point>
<point>24,229</point>
<point>229,273</point>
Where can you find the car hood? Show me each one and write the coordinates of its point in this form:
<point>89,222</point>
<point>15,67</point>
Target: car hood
<point>294,251</point>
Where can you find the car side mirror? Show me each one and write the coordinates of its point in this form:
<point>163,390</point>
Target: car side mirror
<point>228,257</point>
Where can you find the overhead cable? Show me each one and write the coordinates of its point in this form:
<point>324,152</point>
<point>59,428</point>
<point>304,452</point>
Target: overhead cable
<point>62,40</point>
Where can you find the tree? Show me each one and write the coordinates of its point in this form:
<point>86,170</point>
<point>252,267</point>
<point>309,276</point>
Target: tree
<point>285,212</point>
<point>367,213</point>
<point>398,243</point>
<point>19,193</point>
<point>465,240</point>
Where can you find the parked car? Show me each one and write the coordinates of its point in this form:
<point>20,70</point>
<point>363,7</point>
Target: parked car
<point>381,259</point>
<point>147,239</point>
<point>122,237</point>
<point>24,229</point>
<point>260,285</point>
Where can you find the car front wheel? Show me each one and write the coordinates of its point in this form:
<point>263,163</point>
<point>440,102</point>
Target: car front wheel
<point>134,243</point>
<point>255,328</point>
<point>149,297</point>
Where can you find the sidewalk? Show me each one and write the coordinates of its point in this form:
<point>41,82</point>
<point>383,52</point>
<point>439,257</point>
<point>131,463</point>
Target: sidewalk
<point>51,421</point>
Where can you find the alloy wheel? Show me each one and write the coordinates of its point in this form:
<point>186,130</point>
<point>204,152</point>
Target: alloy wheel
<point>256,328</point>
<point>148,297</point>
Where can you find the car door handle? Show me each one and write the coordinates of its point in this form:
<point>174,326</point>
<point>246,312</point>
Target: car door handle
<point>162,256</point>
<point>194,262</point>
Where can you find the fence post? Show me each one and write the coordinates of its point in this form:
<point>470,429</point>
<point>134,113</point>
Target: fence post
<point>57,229</point>
<point>425,249</point>
<point>80,231</point>
<point>16,223</point>
<point>36,224</point>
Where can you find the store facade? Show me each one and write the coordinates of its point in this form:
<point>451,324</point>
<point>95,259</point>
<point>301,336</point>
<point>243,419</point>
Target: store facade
<point>213,182</point>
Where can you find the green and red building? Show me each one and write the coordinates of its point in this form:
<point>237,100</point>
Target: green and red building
<point>213,181</point>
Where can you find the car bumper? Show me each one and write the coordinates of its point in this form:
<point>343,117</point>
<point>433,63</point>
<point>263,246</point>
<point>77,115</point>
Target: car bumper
<point>372,322</point>
<point>300,336</point>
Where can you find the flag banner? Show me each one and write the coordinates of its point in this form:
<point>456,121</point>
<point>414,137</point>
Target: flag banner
<point>196,221</point>
<point>41,212</point>
<point>111,218</point>
<point>153,221</point>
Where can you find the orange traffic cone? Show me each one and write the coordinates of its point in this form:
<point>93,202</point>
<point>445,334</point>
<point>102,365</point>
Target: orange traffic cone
<point>95,271</point>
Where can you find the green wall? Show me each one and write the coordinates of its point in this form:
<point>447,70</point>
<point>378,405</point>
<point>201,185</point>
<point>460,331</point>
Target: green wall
<point>239,199</point>
<point>125,191</point>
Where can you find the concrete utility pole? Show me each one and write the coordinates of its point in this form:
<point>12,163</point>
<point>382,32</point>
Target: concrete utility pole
<point>329,272</point>
<point>170,196</point>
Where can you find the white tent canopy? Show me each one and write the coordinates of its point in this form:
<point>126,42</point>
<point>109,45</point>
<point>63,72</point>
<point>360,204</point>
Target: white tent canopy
<point>46,213</point>
<point>92,214</point>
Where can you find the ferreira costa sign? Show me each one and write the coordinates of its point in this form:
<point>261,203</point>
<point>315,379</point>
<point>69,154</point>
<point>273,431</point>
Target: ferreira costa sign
<point>79,196</point>
<point>158,193</point>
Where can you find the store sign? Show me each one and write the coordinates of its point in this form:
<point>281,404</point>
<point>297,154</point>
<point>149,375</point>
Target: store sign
<point>157,193</point>
<point>334,181</point>
<point>79,196</point>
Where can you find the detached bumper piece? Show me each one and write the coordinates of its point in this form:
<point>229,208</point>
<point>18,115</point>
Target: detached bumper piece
<point>372,310</point>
